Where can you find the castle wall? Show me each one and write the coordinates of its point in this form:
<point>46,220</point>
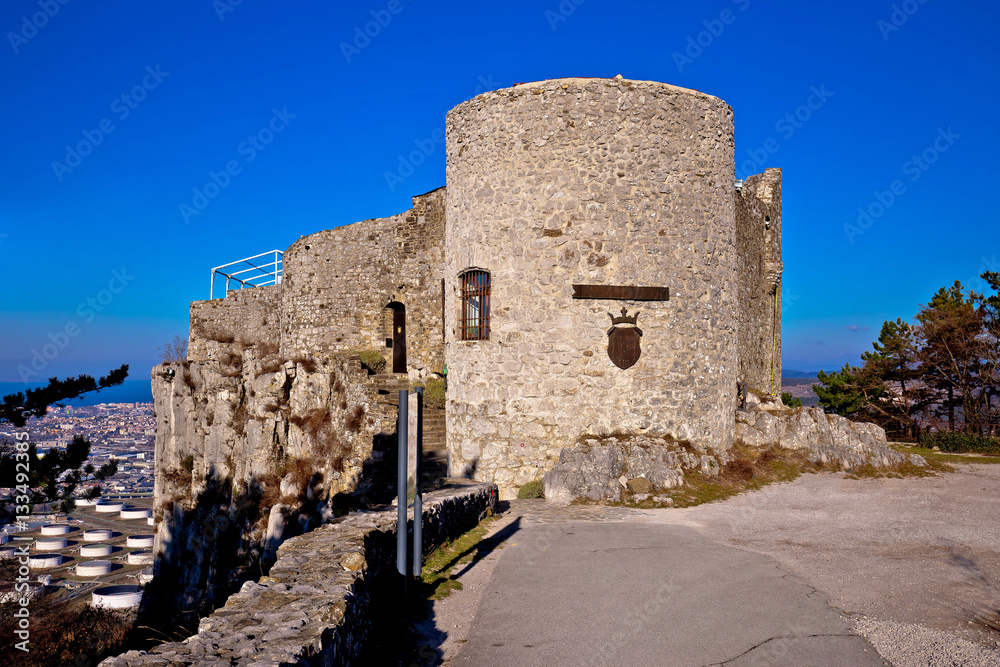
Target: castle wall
<point>759,267</point>
<point>252,315</point>
<point>338,283</point>
<point>589,181</point>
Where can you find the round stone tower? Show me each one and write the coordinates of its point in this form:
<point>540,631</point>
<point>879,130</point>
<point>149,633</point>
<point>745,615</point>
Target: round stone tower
<point>607,184</point>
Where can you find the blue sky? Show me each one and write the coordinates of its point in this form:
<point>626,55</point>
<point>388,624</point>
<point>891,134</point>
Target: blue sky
<point>200,77</point>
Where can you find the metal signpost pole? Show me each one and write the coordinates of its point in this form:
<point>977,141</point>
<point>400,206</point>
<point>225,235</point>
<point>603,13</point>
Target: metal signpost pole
<point>418,502</point>
<point>401,487</point>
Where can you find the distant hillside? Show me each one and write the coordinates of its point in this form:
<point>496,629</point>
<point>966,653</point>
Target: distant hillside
<point>798,374</point>
<point>800,385</point>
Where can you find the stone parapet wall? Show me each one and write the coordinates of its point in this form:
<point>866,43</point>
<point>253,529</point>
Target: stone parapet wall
<point>592,181</point>
<point>759,268</point>
<point>319,603</point>
<point>339,282</point>
<point>251,315</point>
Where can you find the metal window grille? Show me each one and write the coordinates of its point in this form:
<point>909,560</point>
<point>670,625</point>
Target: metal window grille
<point>475,320</point>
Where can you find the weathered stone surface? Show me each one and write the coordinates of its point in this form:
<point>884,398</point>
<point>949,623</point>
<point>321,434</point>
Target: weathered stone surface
<point>314,607</point>
<point>828,438</point>
<point>239,418</point>
<point>640,485</point>
<point>591,181</point>
<point>591,469</point>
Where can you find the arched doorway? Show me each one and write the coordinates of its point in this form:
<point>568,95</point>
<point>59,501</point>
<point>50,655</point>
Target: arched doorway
<point>398,336</point>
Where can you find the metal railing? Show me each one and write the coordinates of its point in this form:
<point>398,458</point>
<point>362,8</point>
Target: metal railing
<point>250,272</point>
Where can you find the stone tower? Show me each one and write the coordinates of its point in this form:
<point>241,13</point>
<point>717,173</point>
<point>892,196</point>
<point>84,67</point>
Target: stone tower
<point>598,182</point>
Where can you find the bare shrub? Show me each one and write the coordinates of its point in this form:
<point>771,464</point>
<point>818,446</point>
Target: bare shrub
<point>174,351</point>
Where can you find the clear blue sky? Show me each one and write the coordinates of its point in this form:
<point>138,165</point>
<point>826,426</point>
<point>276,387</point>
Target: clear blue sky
<point>214,77</point>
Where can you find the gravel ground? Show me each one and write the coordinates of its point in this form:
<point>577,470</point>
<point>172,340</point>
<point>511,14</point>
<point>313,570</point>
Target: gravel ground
<point>909,645</point>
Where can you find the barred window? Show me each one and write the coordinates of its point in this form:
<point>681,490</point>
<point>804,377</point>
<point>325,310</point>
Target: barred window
<point>474,321</point>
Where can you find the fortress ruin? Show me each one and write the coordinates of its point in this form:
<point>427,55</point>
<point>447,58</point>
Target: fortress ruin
<point>592,266</point>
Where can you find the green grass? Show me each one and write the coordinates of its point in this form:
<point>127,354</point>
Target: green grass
<point>437,575</point>
<point>535,489</point>
<point>942,457</point>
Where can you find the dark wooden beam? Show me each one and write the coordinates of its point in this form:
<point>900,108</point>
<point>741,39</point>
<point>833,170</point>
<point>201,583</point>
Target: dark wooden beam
<point>621,292</point>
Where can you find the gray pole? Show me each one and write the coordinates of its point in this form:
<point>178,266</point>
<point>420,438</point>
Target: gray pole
<point>418,502</point>
<point>401,484</point>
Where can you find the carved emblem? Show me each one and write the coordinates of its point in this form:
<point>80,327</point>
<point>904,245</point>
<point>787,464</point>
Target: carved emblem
<point>623,340</point>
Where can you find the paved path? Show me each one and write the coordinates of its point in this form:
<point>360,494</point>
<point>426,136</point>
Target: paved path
<point>788,575</point>
<point>615,593</point>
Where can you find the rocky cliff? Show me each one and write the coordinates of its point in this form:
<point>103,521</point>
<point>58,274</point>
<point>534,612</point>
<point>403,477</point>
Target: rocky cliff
<point>251,449</point>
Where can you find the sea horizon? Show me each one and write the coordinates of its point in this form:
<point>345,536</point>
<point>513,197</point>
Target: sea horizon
<point>129,391</point>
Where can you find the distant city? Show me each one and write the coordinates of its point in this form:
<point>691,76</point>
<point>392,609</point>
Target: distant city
<point>124,431</point>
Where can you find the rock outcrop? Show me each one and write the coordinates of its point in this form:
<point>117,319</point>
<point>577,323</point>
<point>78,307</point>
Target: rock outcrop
<point>828,438</point>
<point>599,468</point>
<point>251,449</point>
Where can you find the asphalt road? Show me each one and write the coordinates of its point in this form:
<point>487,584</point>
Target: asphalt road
<point>805,573</point>
<point>642,594</point>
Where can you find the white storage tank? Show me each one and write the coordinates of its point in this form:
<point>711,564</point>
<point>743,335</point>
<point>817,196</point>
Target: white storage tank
<point>49,543</point>
<point>43,561</point>
<point>122,596</point>
<point>135,513</point>
<point>92,550</point>
<point>139,541</point>
<point>93,568</point>
<point>140,557</point>
<point>108,508</point>
<point>86,502</point>
<point>97,535</point>
<point>56,529</point>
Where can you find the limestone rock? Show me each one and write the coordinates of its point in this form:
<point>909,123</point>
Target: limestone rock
<point>595,468</point>
<point>826,437</point>
<point>640,485</point>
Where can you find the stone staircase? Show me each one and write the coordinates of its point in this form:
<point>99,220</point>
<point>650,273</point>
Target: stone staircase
<point>435,445</point>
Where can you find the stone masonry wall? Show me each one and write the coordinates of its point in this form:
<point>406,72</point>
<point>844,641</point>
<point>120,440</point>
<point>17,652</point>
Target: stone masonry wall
<point>250,449</point>
<point>759,267</point>
<point>320,602</point>
<point>595,181</point>
<point>251,315</point>
<point>339,282</point>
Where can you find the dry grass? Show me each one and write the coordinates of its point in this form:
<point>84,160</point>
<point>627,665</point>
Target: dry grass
<point>219,335</point>
<point>266,348</point>
<point>308,364</point>
<point>749,469</point>
<point>270,366</point>
<point>941,457</point>
<point>355,419</point>
<point>900,470</point>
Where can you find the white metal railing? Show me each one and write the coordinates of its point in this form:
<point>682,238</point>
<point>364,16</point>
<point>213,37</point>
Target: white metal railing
<point>250,272</point>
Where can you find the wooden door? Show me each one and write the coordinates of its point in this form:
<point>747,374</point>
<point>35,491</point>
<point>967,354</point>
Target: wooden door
<point>399,339</point>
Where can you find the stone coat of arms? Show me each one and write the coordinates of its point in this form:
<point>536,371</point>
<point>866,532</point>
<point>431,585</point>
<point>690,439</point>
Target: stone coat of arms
<point>623,340</point>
